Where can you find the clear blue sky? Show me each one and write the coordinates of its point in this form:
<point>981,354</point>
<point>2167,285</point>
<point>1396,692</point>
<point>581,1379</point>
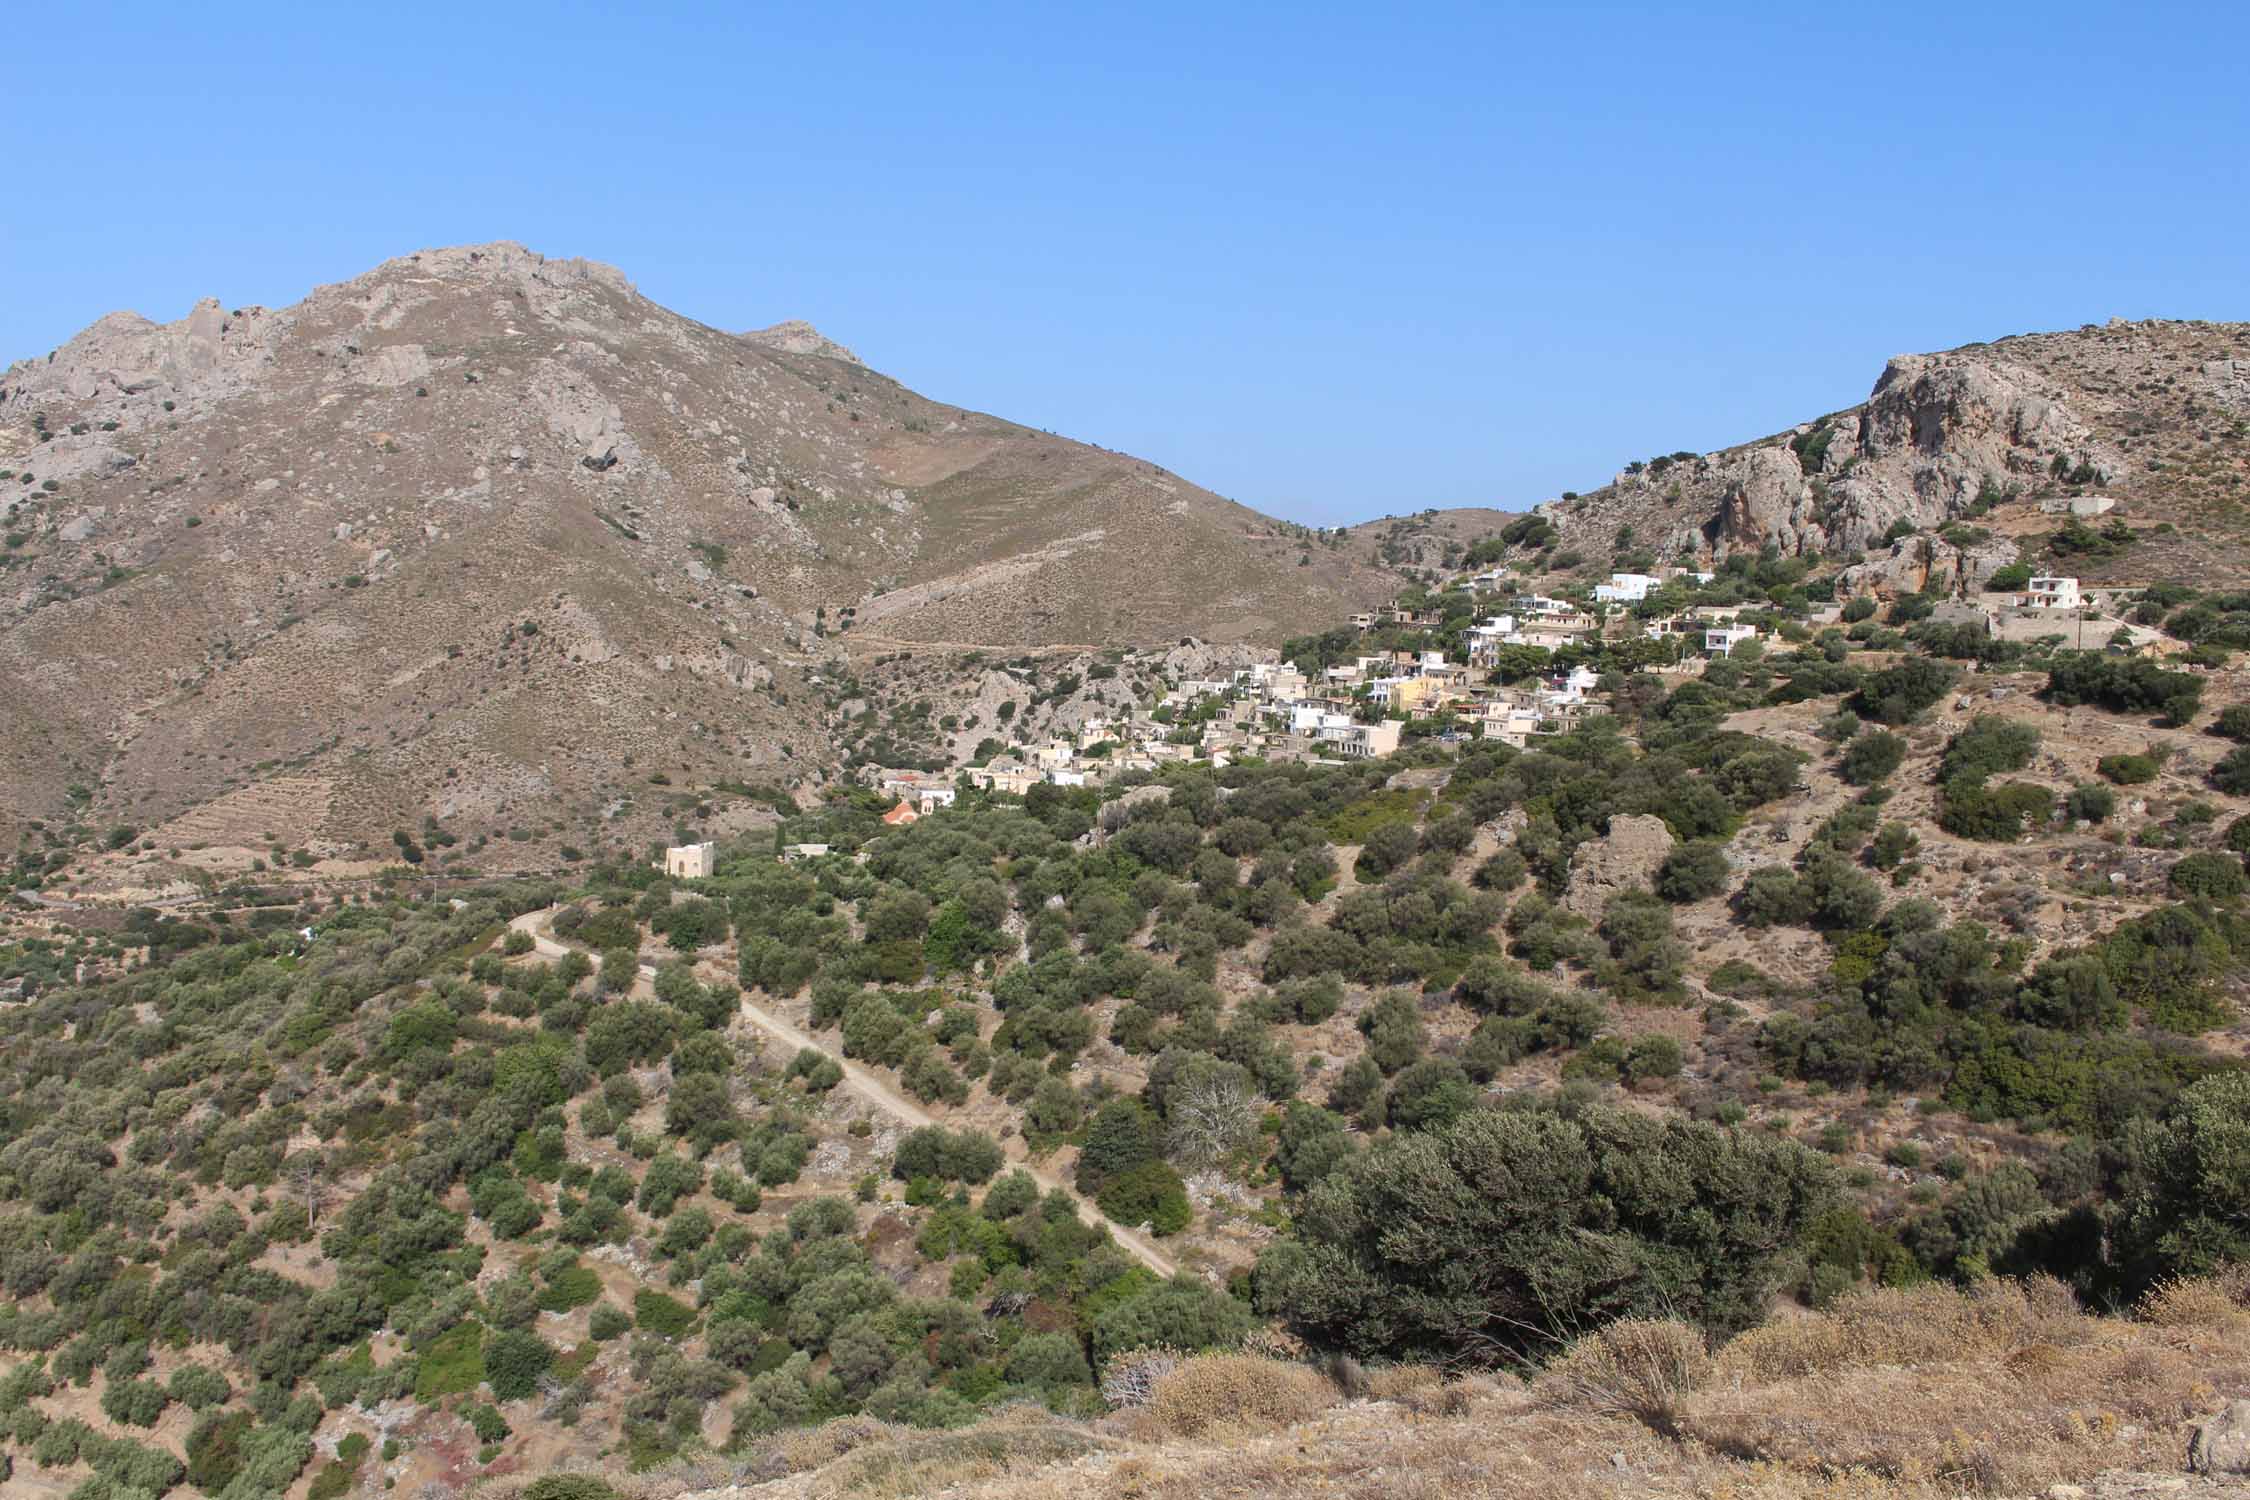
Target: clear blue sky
<point>1333,262</point>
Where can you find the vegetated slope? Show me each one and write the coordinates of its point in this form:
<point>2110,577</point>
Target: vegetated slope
<point>2153,414</point>
<point>472,532</point>
<point>1721,1002</point>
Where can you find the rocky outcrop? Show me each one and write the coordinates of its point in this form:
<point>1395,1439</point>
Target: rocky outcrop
<point>1626,859</point>
<point>796,336</point>
<point>1765,500</point>
<point>2221,1444</point>
<point>1941,437</point>
<point>1926,564</point>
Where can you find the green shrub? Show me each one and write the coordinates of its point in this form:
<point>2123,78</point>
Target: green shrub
<point>969,1156</point>
<point>1995,814</point>
<point>1049,1359</point>
<point>1515,1230</point>
<point>2130,770</point>
<point>2186,1204</point>
<point>2123,684</point>
<point>667,1317</point>
<point>489,1425</point>
<point>572,1286</point>
<point>569,1487</point>
<point>214,1449</point>
<point>451,1363</point>
<point>1898,693</point>
<point>1871,757</point>
<point>1693,871</point>
<point>513,1362</point>
<point>1183,1313</point>
<point>1122,1135</point>
<point>2215,877</point>
<point>2090,802</point>
<point>1988,746</point>
<point>1151,1194</point>
<point>2232,774</point>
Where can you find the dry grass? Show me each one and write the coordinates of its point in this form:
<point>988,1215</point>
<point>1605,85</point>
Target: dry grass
<point>2001,1389</point>
<point>2217,1302</point>
<point>1396,1382</point>
<point>926,1463</point>
<point>812,1447</point>
<point>1238,1391</point>
<point>1784,1350</point>
<point>1923,1393</point>
<point>1639,1368</point>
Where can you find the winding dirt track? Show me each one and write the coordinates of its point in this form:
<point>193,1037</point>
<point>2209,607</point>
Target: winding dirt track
<point>867,1086</point>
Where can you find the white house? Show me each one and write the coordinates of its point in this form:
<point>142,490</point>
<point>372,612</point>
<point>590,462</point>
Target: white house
<point>691,861</point>
<point>1573,687</point>
<point>1720,640</point>
<point>2050,591</point>
<point>791,853</point>
<point>1626,588</point>
<point>1316,719</point>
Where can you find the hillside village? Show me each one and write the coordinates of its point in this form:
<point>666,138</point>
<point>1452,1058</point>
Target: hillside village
<point>1476,657</point>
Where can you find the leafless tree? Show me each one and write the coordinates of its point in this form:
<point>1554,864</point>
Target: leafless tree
<point>1211,1117</point>
<point>306,1176</point>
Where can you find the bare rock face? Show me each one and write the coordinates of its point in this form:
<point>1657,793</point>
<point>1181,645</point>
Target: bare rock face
<point>2221,1444</point>
<point>1939,428</point>
<point>1765,500</point>
<point>1626,859</point>
<point>1927,564</point>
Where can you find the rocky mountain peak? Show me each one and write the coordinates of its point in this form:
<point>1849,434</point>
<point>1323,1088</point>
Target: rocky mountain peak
<point>480,528</point>
<point>796,336</point>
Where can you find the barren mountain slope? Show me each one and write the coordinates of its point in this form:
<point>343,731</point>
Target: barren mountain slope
<point>483,534</point>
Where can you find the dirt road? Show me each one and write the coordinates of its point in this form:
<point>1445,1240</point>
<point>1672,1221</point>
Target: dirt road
<point>867,1086</point>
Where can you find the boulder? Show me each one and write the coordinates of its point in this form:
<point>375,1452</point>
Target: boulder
<point>1626,859</point>
<point>2221,1444</point>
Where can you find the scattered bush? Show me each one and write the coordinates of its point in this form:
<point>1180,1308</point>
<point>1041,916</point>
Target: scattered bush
<point>1871,757</point>
<point>1636,1367</point>
<point>1237,1391</point>
<point>2212,876</point>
